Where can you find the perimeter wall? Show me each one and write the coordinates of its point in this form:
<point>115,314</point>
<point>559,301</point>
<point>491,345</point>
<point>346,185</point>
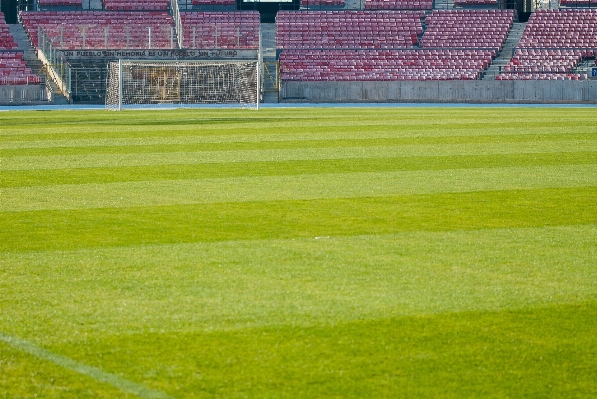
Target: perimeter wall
<point>477,91</point>
<point>23,94</point>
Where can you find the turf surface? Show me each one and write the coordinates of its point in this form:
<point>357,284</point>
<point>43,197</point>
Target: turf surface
<point>416,253</point>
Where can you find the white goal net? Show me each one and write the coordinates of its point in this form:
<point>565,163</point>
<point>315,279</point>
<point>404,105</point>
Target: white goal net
<point>141,84</point>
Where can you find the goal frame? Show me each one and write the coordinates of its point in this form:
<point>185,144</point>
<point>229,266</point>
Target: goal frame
<point>120,106</point>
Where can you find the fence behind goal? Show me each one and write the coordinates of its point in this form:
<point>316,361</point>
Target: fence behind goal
<point>151,84</point>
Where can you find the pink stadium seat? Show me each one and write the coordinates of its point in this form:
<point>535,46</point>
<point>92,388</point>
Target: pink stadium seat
<point>136,5</point>
<point>383,65</point>
<point>73,30</point>
<point>231,30</point>
<point>398,4</point>
<point>319,3</point>
<point>14,71</point>
<point>348,29</point>
<point>67,3</point>
<point>467,28</point>
<point>7,41</point>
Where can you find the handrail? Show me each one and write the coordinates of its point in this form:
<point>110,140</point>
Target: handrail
<point>58,67</point>
<point>177,22</point>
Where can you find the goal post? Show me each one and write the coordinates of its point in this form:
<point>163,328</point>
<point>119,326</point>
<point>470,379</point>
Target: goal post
<point>174,84</point>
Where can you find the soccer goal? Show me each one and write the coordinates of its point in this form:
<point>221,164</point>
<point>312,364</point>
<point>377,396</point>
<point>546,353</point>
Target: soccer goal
<point>151,84</point>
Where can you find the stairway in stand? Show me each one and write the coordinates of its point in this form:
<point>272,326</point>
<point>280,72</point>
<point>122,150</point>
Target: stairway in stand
<point>30,57</point>
<point>270,71</point>
<point>505,55</point>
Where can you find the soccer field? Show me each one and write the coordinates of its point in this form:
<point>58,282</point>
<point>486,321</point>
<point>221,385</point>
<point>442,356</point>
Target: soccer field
<point>299,253</point>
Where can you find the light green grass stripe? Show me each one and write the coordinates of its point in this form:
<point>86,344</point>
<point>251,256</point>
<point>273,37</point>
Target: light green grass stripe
<point>301,281</point>
<point>372,134</point>
<point>92,372</point>
<point>301,187</point>
<point>114,160</point>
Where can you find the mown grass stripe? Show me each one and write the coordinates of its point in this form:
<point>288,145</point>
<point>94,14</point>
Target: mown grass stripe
<point>95,160</point>
<point>97,374</point>
<point>252,142</point>
<point>300,187</point>
<point>44,177</point>
<point>298,281</point>
<point>306,131</point>
<point>107,227</point>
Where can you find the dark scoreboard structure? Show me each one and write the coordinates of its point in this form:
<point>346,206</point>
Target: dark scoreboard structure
<point>268,8</point>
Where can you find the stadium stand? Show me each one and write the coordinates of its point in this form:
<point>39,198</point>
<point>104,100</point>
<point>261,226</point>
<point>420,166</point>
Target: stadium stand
<point>102,29</point>
<point>220,29</point>
<point>136,5</point>
<point>14,71</point>
<point>554,42</point>
<point>383,65</point>
<point>348,29</point>
<point>457,45</point>
<point>467,28</point>
<point>398,4</point>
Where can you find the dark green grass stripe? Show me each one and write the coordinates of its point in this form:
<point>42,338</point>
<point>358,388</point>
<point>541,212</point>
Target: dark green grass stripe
<point>548,352</point>
<point>44,230</point>
<point>22,178</point>
<point>95,373</point>
<point>268,145</point>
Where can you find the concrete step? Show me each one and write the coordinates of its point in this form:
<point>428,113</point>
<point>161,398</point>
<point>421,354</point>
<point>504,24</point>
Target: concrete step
<point>354,4</point>
<point>511,42</point>
<point>268,40</point>
<point>92,5</point>
<point>270,97</point>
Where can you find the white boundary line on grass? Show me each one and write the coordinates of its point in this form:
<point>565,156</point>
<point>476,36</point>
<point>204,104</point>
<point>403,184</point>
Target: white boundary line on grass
<point>93,372</point>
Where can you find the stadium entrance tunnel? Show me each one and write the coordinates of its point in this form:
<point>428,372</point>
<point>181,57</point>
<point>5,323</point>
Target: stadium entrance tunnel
<point>268,9</point>
<point>9,8</point>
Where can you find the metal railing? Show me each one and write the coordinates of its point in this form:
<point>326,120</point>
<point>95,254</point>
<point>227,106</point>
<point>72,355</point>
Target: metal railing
<point>177,21</point>
<point>98,36</point>
<point>58,67</point>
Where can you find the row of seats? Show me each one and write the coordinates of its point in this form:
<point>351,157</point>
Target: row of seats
<point>101,29</point>
<point>467,28</point>
<point>545,60</point>
<point>554,42</point>
<point>578,3</point>
<point>569,28</point>
<point>475,2</point>
<point>214,2</point>
<point>54,3</point>
<point>398,4</point>
<point>220,29</point>
<point>348,29</point>
<point>136,5</point>
<point>14,71</point>
<point>319,3</point>
<point>541,76</point>
<point>383,65</point>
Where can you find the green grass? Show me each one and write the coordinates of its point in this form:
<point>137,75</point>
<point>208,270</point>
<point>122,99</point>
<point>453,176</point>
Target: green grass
<point>299,253</point>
